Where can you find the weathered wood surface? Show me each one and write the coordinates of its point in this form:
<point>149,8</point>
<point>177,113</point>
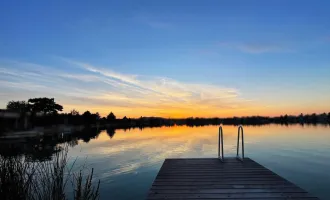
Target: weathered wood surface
<point>209,178</point>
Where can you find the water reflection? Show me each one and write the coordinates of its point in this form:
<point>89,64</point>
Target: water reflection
<point>43,147</point>
<point>127,161</point>
<point>111,132</point>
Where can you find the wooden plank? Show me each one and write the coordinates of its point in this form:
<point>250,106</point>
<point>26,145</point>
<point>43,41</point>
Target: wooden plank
<point>216,176</point>
<point>209,178</point>
<point>263,186</point>
<point>207,160</point>
<point>226,180</point>
<point>214,167</point>
<point>229,195</point>
<point>223,183</point>
<point>215,172</point>
<point>255,198</point>
<point>229,190</point>
<point>218,172</point>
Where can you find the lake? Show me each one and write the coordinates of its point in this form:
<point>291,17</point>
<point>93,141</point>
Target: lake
<point>127,161</point>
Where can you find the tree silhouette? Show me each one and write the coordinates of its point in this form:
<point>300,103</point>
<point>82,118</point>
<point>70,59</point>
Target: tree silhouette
<point>97,116</point>
<point>19,106</point>
<point>87,117</point>
<point>111,117</point>
<point>87,113</point>
<point>45,105</point>
<point>90,118</point>
<point>74,112</point>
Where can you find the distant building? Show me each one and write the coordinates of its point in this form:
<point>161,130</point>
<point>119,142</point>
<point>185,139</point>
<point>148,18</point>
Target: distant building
<point>14,120</point>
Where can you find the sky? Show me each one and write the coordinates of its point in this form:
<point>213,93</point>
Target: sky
<point>168,58</point>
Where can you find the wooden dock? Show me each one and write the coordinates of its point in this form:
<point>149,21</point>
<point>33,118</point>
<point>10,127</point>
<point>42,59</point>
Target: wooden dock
<point>209,178</point>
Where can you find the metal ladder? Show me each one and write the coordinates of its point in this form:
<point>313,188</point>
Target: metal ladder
<point>220,144</point>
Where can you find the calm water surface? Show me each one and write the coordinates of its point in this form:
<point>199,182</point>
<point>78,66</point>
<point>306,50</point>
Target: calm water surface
<point>128,161</point>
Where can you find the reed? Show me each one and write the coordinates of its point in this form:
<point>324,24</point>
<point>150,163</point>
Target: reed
<point>21,179</point>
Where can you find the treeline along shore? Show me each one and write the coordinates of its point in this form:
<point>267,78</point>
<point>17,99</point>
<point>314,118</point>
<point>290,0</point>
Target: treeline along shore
<point>45,112</point>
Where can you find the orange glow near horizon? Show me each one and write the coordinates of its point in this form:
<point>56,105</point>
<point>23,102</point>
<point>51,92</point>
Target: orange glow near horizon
<point>196,111</point>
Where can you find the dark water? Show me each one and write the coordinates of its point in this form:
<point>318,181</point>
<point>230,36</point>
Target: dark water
<point>127,162</point>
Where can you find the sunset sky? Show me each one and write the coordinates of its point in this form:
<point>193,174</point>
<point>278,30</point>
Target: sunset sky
<point>168,58</point>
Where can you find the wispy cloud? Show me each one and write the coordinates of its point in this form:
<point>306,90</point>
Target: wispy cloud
<point>101,89</point>
<point>259,48</point>
<point>256,48</point>
<point>22,85</point>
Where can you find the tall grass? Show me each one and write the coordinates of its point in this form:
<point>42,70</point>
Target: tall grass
<point>48,180</point>
<point>16,178</point>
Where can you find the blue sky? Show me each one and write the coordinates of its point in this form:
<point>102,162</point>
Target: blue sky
<point>168,58</point>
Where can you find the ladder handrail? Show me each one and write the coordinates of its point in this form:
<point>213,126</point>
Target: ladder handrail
<point>220,144</point>
<point>240,127</point>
